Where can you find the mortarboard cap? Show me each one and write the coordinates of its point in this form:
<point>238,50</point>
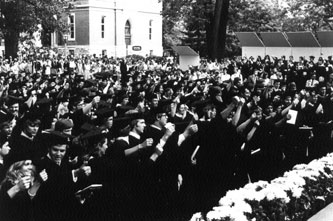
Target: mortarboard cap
<point>103,75</point>
<point>121,126</point>
<point>44,101</point>
<point>5,117</point>
<point>90,83</point>
<point>63,124</point>
<point>215,90</point>
<point>3,138</point>
<point>94,135</point>
<point>56,138</point>
<point>32,116</point>
<point>63,99</point>
<point>163,106</point>
<point>11,100</point>
<point>106,96</point>
<point>105,113</point>
<point>88,127</point>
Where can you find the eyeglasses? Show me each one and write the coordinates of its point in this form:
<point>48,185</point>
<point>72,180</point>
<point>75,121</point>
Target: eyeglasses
<point>34,124</point>
<point>28,163</point>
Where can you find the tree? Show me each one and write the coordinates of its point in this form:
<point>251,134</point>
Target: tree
<point>198,17</point>
<point>173,16</point>
<point>219,33</point>
<point>209,25</point>
<point>24,17</point>
<point>309,15</point>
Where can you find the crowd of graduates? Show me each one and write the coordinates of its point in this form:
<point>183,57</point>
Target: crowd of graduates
<point>144,140</point>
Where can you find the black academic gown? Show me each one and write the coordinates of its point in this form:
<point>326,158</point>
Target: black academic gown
<point>215,162</point>
<point>131,177</point>
<point>23,148</point>
<point>170,165</point>
<point>19,208</point>
<point>99,204</point>
<point>55,199</point>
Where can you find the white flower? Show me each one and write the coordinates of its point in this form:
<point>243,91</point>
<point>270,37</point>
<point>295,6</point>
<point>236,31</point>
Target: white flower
<point>256,185</point>
<point>234,206</point>
<point>196,217</point>
<point>299,167</point>
<point>259,196</point>
<point>214,215</point>
<point>231,197</point>
<point>276,191</point>
<point>243,206</point>
<point>297,193</point>
<point>237,216</point>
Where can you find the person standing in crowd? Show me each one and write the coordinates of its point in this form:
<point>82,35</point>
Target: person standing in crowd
<point>18,191</point>
<point>55,199</point>
<point>160,131</point>
<point>105,119</point>
<point>100,201</point>
<point>127,152</point>
<point>4,151</point>
<point>227,141</point>
<point>25,143</point>
<point>13,104</point>
<point>81,110</point>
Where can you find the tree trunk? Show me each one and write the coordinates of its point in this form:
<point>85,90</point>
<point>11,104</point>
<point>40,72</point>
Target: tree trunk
<point>11,43</point>
<point>220,28</point>
<point>209,35</point>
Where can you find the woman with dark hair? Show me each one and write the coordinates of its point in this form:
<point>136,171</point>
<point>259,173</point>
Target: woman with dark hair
<point>4,151</point>
<point>100,201</point>
<point>18,190</point>
<point>23,140</point>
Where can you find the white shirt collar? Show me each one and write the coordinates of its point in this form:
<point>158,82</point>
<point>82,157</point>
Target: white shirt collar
<point>137,136</point>
<point>25,135</point>
<point>154,126</point>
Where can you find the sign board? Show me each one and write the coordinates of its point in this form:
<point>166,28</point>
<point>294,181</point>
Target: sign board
<point>136,48</point>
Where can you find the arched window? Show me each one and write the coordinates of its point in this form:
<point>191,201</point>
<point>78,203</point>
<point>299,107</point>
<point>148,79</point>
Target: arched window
<point>150,29</point>
<point>128,33</point>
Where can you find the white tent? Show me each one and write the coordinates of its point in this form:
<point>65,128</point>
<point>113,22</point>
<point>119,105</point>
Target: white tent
<point>251,44</point>
<point>187,57</point>
<point>304,44</point>
<point>325,39</point>
<point>276,44</point>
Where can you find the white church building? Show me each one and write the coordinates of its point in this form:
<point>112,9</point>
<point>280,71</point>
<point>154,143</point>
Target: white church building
<point>113,27</point>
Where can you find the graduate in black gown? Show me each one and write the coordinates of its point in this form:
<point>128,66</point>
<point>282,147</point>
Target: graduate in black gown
<point>56,197</point>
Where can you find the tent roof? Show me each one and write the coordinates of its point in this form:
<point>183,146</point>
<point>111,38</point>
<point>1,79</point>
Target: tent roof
<point>249,39</point>
<point>184,50</point>
<point>274,39</point>
<point>302,39</point>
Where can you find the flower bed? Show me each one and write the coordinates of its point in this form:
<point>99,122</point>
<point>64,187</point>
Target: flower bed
<point>297,195</point>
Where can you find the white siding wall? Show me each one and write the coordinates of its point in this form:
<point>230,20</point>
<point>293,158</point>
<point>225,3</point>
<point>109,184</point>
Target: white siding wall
<point>138,12</point>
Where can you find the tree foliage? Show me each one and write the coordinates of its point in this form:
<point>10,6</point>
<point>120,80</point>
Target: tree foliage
<point>309,15</point>
<point>198,16</point>
<point>201,18</point>
<point>173,18</point>
<point>26,16</point>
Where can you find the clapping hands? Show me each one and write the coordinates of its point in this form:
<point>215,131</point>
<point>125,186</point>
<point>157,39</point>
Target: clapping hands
<point>24,183</point>
<point>43,175</point>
